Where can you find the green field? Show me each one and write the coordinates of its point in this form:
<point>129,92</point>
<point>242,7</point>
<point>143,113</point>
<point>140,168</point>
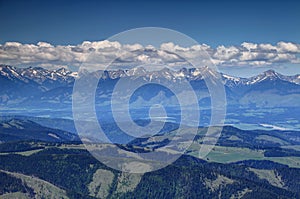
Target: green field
<point>222,154</point>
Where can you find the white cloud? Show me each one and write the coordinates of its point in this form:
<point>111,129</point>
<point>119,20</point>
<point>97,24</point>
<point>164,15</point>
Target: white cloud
<point>288,47</point>
<point>226,53</point>
<point>247,54</point>
<point>249,46</point>
<point>44,44</point>
<point>172,47</point>
<point>267,47</point>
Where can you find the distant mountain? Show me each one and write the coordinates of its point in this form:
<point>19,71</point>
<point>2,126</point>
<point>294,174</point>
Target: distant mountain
<point>20,130</point>
<point>39,87</point>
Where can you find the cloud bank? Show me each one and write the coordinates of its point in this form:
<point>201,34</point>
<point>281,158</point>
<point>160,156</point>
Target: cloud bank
<point>46,55</point>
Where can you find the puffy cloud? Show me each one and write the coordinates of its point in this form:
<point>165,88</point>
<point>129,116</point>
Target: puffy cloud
<point>249,46</point>
<point>288,47</point>
<point>267,47</point>
<point>251,54</point>
<point>247,54</point>
<point>44,44</point>
<point>226,53</point>
<point>172,47</point>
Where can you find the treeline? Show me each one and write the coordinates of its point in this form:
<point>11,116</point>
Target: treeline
<point>69,169</point>
<point>188,177</point>
<point>10,184</point>
<point>18,147</point>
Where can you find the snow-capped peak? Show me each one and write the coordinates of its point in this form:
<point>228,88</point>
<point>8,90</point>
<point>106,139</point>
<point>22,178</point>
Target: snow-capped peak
<point>232,78</point>
<point>51,78</point>
<point>267,75</point>
<point>271,73</point>
<point>138,71</point>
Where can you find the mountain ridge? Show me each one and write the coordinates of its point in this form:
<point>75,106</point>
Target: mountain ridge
<point>36,86</point>
<point>23,129</point>
<point>37,73</point>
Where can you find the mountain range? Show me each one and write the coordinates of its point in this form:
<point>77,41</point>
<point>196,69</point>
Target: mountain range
<point>40,87</point>
<point>44,158</point>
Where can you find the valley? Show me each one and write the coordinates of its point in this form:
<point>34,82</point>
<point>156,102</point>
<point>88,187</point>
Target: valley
<point>236,166</point>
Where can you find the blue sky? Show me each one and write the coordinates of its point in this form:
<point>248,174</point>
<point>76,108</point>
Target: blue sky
<point>211,22</point>
<point>214,23</point>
